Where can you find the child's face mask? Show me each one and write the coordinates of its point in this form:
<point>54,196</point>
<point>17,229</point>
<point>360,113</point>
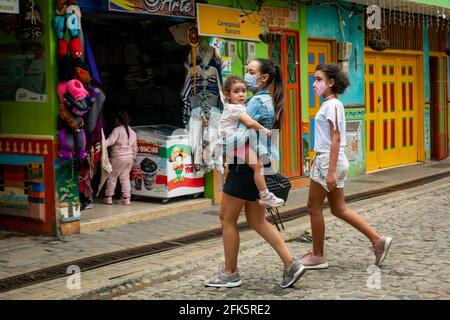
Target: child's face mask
<point>319,88</point>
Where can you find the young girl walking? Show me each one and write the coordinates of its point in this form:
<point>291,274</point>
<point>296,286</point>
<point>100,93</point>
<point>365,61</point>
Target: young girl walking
<point>123,153</point>
<point>234,112</point>
<point>329,169</point>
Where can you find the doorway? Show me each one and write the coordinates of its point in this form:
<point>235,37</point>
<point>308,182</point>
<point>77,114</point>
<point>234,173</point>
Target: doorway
<point>285,54</point>
<point>438,107</point>
<point>392,95</point>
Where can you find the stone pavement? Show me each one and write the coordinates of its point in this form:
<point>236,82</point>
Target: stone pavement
<point>418,266</point>
<point>19,254</point>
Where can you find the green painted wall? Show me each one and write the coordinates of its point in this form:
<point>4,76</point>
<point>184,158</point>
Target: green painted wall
<point>29,118</point>
<point>448,87</point>
<point>439,3</point>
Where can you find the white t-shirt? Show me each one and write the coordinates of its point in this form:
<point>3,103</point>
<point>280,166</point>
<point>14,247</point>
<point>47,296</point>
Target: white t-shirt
<point>329,110</point>
<point>230,118</point>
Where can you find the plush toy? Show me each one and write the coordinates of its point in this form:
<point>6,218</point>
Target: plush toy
<point>73,106</point>
<point>68,17</point>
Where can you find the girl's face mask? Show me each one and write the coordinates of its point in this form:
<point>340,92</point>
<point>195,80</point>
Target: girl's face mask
<point>319,88</point>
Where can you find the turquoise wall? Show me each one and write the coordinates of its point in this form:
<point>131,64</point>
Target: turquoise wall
<point>323,22</point>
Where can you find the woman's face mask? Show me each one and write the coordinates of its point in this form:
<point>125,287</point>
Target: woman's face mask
<point>250,81</point>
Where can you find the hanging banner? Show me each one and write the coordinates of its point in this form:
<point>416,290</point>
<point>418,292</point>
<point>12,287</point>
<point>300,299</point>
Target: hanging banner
<point>9,6</point>
<point>228,23</point>
<point>170,8</point>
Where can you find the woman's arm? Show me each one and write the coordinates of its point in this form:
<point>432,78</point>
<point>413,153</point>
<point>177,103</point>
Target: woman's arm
<point>252,124</point>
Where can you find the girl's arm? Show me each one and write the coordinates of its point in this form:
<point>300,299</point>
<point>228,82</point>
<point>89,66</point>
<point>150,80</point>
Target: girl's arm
<point>334,154</point>
<point>252,124</point>
<point>112,137</point>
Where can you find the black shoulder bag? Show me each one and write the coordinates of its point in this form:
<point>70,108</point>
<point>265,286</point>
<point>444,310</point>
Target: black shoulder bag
<point>279,186</point>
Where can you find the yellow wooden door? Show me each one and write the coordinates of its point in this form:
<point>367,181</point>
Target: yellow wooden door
<point>391,111</point>
<point>372,134</point>
<point>407,85</point>
<point>318,52</point>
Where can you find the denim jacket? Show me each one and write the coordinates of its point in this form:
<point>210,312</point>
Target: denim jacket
<point>260,108</point>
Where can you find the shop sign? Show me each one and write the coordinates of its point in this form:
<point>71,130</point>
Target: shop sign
<point>276,17</point>
<point>9,6</point>
<point>171,8</point>
<point>228,23</point>
<point>148,148</point>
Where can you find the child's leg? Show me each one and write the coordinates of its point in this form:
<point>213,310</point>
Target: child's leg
<point>253,162</point>
<point>125,178</point>
<point>112,178</point>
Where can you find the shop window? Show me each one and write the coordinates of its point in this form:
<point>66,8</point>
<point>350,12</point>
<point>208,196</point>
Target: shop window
<point>22,72</point>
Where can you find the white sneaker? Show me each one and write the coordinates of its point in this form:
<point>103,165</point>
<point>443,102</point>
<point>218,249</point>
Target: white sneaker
<point>270,200</point>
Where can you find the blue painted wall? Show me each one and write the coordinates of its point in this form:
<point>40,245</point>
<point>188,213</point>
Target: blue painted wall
<point>323,22</point>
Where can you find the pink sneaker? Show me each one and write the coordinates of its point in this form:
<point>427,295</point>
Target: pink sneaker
<point>270,200</point>
<point>312,262</point>
<point>381,249</point>
<point>124,201</point>
<point>107,200</point>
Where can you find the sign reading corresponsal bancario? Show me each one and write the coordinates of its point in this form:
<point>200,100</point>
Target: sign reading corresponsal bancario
<point>228,23</point>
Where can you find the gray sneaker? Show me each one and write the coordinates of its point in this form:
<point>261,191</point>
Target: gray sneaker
<point>381,249</point>
<point>223,280</point>
<point>291,276</point>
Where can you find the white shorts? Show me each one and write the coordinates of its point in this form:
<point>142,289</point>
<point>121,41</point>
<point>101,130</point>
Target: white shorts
<point>319,170</point>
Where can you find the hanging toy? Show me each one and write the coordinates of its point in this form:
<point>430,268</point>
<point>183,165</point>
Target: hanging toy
<point>193,40</point>
<point>61,7</point>
<point>75,48</point>
<point>72,108</point>
<point>30,25</point>
<point>68,18</point>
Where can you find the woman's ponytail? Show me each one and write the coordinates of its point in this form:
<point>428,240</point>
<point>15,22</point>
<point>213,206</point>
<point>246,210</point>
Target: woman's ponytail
<point>275,79</point>
<point>278,97</point>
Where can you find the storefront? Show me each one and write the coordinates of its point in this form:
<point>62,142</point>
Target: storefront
<point>27,119</point>
<point>143,60</point>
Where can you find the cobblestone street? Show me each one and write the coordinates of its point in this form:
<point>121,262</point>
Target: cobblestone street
<point>418,266</point>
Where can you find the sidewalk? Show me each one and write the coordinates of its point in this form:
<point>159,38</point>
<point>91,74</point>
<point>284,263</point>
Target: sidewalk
<point>20,254</point>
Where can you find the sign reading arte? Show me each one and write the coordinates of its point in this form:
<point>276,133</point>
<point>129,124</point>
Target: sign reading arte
<point>175,8</point>
<point>228,23</point>
<point>9,6</point>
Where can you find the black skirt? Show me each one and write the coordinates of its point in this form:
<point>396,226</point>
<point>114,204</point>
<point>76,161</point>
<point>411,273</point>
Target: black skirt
<point>240,182</point>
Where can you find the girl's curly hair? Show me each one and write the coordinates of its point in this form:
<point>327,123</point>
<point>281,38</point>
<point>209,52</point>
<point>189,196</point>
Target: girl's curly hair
<point>332,72</point>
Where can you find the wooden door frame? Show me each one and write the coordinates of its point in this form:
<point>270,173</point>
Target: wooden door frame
<point>436,54</point>
<point>300,180</point>
<point>419,55</point>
